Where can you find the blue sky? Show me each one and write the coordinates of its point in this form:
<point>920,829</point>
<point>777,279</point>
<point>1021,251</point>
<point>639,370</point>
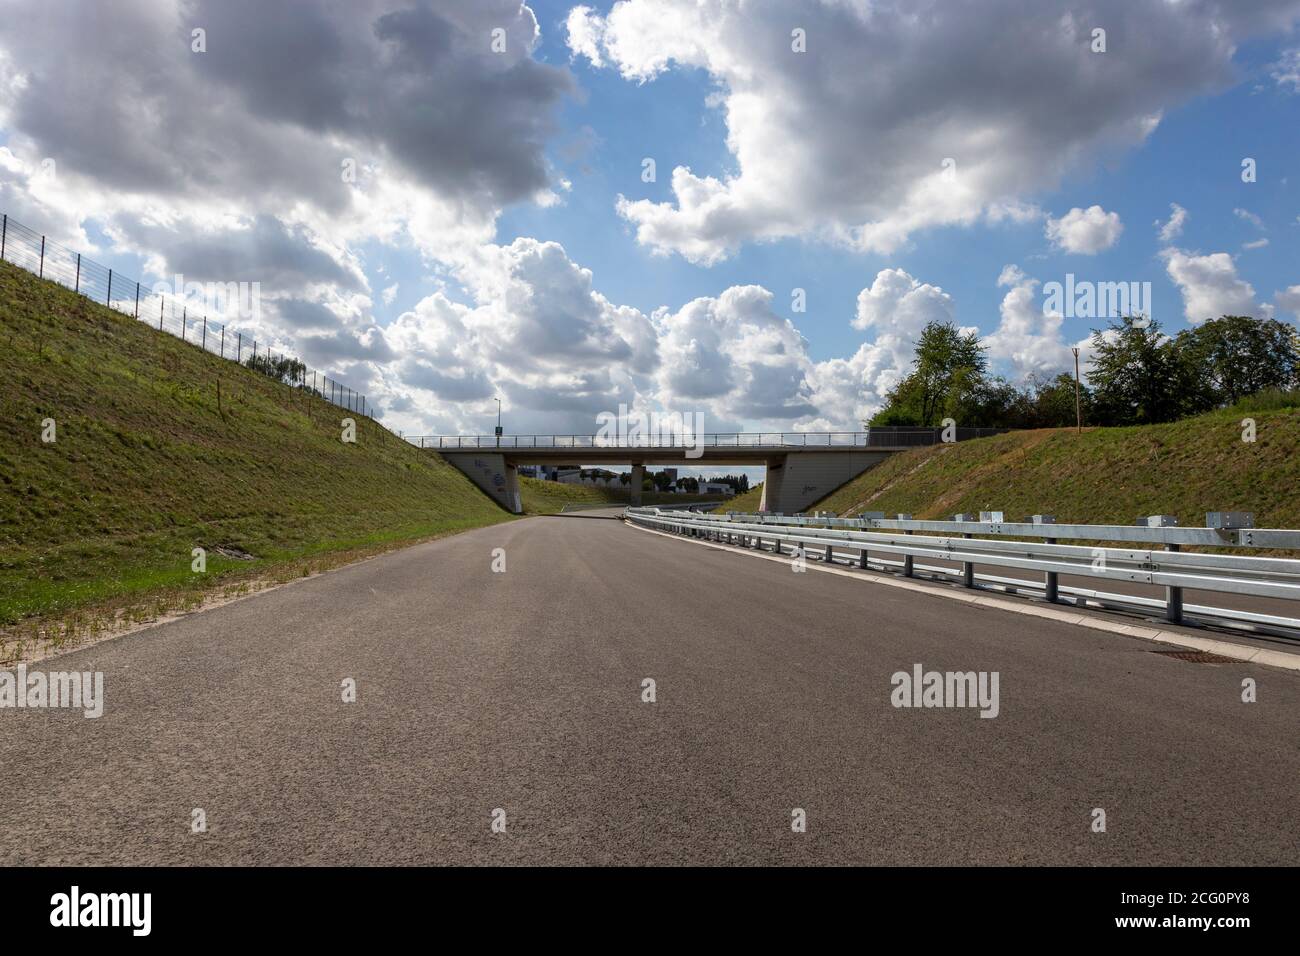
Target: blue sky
<point>1192,158</point>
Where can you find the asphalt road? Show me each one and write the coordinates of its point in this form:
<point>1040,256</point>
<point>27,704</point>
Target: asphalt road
<point>523,691</point>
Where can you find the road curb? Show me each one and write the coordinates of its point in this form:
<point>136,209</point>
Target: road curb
<point>1252,655</point>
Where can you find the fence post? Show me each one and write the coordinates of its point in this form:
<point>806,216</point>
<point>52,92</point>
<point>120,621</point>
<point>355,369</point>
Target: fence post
<point>223,341</point>
<point>77,287</point>
<point>108,296</point>
<point>1173,597</point>
<point>1050,588</point>
<point>137,300</point>
<point>4,235</point>
<point>41,273</point>
<point>204,346</point>
<point>185,314</point>
<point>239,349</point>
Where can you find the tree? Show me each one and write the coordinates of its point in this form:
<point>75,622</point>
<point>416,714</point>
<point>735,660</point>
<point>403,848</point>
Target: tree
<point>1138,375</point>
<point>739,483</point>
<point>947,375</point>
<point>1235,355</point>
<point>1052,402</point>
<point>283,369</point>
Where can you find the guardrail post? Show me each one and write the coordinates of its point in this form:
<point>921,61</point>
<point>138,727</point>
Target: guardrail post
<point>830,557</point>
<point>1050,586</point>
<point>862,559</point>
<point>967,571</point>
<point>1173,596</point>
<point>907,562</point>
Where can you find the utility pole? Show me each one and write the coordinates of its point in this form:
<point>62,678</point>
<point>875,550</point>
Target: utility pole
<point>498,401</point>
<point>1078,413</point>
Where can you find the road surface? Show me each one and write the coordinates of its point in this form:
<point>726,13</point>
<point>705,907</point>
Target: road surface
<point>522,691</point>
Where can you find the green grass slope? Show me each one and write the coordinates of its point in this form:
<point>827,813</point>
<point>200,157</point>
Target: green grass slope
<point>552,497</point>
<point>747,502</point>
<point>162,448</point>
<point>1104,475</point>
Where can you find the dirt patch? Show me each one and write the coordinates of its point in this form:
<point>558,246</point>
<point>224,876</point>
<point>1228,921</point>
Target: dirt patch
<point>230,551</point>
<point>862,505</point>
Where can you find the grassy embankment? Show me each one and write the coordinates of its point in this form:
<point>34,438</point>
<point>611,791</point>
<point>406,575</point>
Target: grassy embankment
<point>747,502</point>
<point>1102,476</point>
<point>552,497</point>
<point>162,448</point>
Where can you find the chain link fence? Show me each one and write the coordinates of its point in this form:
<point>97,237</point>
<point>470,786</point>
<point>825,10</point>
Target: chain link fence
<point>32,251</point>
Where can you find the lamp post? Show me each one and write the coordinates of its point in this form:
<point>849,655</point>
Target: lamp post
<point>1078,414</point>
<point>498,401</point>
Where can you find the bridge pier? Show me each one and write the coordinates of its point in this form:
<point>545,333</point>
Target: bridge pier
<point>638,476</point>
<point>493,474</point>
<point>796,480</point>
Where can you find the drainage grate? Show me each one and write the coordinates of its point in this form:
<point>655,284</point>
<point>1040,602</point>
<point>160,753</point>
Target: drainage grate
<point>1198,657</point>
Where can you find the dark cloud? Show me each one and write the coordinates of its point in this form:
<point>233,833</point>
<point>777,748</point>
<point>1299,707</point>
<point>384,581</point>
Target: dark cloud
<point>282,93</point>
<point>454,385</point>
<point>347,345</point>
<point>282,258</point>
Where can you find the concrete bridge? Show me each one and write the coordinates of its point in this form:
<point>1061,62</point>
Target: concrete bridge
<point>802,467</point>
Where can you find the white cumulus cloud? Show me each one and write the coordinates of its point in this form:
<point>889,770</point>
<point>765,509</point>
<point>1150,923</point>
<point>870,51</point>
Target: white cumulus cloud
<point>903,115</point>
<point>1172,228</point>
<point>1085,231</point>
<point>1210,285</point>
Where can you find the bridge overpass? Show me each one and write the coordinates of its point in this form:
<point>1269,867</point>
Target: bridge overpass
<point>802,467</point>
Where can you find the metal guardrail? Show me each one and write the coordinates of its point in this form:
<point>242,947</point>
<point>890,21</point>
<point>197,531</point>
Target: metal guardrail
<point>875,437</point>
<point>952,541</point>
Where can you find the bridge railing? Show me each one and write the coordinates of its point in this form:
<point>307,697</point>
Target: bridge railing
<point>875,437</point>
<point>896,544</point>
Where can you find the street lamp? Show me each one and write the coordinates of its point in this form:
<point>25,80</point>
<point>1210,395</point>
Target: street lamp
<point>498,401</point>
<point>1078,414</point>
